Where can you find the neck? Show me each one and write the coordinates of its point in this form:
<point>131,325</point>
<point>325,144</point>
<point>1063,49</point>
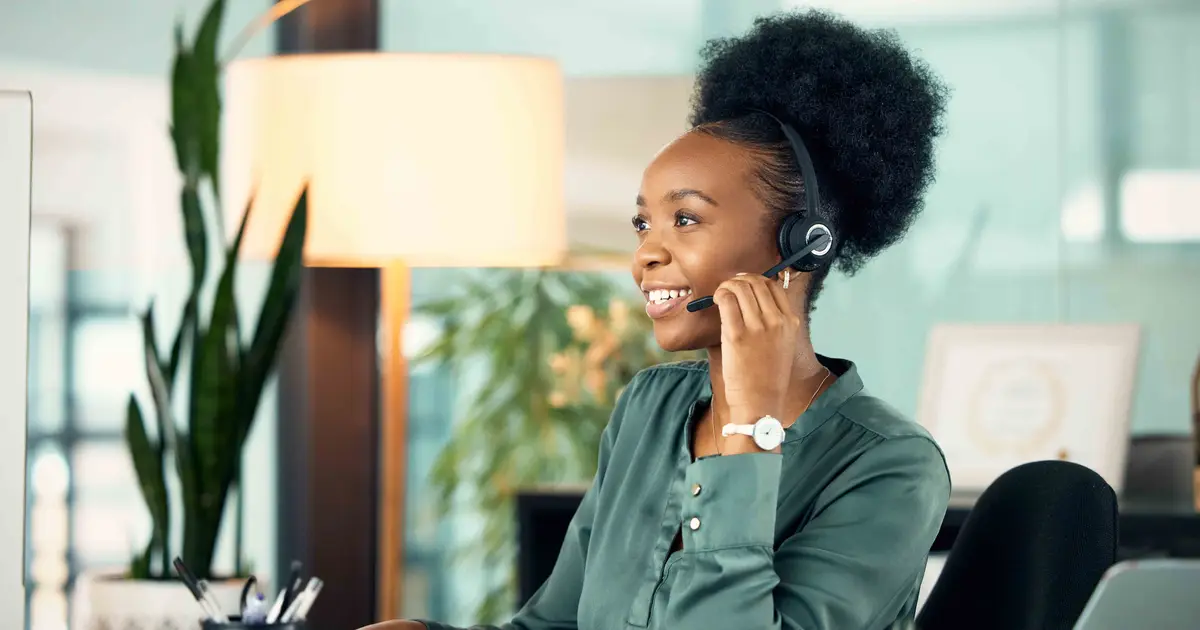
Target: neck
<point>806,375</point>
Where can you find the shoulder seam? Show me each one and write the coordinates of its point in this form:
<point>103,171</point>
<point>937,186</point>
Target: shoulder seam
<point>927,438</point>
<point>888,437</point>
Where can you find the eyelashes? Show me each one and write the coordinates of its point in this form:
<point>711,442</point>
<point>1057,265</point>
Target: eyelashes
<point>683,218</point>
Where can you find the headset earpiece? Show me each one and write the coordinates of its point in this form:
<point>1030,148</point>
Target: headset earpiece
<point>795,233</point>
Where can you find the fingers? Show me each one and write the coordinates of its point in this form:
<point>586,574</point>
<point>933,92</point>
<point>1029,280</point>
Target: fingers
<point>772,314</point>
<point>747,301</point>
<point>726,300</point>
<point>760,303</point>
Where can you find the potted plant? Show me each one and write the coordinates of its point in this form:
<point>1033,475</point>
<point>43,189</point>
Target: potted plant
<point>214,367</point>
<point>555,347</point>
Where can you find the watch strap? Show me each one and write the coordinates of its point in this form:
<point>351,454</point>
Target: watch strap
<point>737,429</point>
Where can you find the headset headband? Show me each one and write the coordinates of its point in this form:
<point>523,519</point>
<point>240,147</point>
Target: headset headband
<point>812,196</point>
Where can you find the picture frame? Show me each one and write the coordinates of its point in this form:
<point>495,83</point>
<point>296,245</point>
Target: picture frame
<point>997,396</point>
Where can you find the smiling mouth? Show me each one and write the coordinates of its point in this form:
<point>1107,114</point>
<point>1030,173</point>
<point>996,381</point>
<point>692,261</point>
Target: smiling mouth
<point>662,302</point>
<point>662,296</point>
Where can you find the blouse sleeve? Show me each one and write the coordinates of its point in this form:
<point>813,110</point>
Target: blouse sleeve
<point>853,565</point>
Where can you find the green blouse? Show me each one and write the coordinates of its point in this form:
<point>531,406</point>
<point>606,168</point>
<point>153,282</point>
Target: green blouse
<point>833,534</point>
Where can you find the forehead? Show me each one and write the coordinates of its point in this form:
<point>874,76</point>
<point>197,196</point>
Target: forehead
<point>719,168</point>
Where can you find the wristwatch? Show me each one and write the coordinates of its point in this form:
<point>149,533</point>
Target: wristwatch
<point>767,432</point>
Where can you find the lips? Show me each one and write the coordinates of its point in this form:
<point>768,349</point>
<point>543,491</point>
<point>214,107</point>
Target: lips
<point>661,302</point>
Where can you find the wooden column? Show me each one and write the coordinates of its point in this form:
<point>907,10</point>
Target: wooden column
<point>329,390</point>
<point>328,440</point>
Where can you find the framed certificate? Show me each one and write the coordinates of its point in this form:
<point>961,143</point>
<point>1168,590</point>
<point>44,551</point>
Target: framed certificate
<point>997,396</point>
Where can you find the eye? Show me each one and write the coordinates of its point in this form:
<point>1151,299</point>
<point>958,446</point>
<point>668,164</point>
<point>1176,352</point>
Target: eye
<point>639,224</point>
<point>682,219</point>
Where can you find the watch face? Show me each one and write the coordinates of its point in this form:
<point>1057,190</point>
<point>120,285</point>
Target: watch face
<point>768,433</point>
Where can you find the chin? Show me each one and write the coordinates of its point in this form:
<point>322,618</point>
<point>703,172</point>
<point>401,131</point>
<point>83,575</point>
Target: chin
<point>674,337</point>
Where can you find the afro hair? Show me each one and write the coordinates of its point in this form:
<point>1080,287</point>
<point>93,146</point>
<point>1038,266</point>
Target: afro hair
<point>868,112</point>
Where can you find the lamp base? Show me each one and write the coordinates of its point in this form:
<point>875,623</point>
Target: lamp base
<point>1196,488</point>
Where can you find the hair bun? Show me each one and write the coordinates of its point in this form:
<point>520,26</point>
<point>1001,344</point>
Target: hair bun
<point>867,109</point>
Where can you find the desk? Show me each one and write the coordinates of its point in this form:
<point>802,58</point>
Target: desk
<point>1146,530</point>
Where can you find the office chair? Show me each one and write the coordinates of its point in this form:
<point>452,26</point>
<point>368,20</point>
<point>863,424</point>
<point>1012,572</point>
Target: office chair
<point>1029,554</point>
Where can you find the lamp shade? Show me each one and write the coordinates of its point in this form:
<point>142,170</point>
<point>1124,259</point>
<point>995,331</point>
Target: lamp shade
<point>429,159</point>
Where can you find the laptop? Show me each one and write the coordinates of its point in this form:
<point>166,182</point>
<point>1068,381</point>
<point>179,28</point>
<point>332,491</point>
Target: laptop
<point>1163,594</point>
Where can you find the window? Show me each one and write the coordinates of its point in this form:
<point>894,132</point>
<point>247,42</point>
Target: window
<point>83,360</point>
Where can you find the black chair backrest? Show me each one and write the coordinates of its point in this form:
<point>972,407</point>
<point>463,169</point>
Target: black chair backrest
<point>1029,554</point>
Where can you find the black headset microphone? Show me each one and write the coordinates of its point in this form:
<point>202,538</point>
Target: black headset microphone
<point>805,240</point>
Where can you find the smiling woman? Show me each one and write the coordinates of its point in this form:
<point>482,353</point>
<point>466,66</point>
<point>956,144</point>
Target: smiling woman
<point>763,487</point>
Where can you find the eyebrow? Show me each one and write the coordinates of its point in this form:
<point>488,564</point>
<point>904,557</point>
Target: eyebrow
<point>679,195</point>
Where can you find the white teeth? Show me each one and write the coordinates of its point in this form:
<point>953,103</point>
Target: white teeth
<point>662,295</point>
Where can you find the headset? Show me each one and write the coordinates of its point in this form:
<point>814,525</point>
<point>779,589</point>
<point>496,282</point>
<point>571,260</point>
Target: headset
<point>805,239</point>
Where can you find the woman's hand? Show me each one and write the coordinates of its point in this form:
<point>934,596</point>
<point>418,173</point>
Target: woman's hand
<point>759,330</point>
<point>396,625</point>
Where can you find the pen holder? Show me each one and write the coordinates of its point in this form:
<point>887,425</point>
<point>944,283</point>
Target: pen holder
<point>235,623</point>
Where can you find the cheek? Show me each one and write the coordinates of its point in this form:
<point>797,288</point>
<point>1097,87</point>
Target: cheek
<point>707,268</point>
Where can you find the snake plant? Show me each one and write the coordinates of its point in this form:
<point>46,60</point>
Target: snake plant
<point>226,371</point>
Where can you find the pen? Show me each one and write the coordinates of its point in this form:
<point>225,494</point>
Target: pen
<point>293,584</point>
<point>302,614</point>
<point>217,616</point>
<point>299,608</point>
<point>277,607</point>
<point>285,595</point>
<point>199,590</point>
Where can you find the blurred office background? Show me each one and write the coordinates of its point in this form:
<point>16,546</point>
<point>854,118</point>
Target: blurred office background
<point>1067,191</point>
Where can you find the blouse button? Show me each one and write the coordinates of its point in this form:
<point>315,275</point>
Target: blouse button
<point>696,490</point>
<point>694,523</point>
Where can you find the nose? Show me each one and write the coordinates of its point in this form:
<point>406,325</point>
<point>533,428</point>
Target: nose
<point>651,253</point>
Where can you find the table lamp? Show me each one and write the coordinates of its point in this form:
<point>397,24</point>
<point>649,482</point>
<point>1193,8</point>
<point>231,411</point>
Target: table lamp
<point>412,160</point>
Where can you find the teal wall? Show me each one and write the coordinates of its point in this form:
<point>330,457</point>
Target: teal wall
<point>597,38</point>
<point>1045,108</point>
<point>126,37</point>
<point>1029,128</point>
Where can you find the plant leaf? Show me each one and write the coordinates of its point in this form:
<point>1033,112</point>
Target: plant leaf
<point>182,111</point>
<point>195,234</point>
<point>185,322</point>
<point>139,566</point>
<point>147,459</point>
<point>282,293</point>
<point>216,421</point>
<point>175,441</point>
<point>206,81</point>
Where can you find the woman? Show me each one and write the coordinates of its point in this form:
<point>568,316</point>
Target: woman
<point>689,524</point>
